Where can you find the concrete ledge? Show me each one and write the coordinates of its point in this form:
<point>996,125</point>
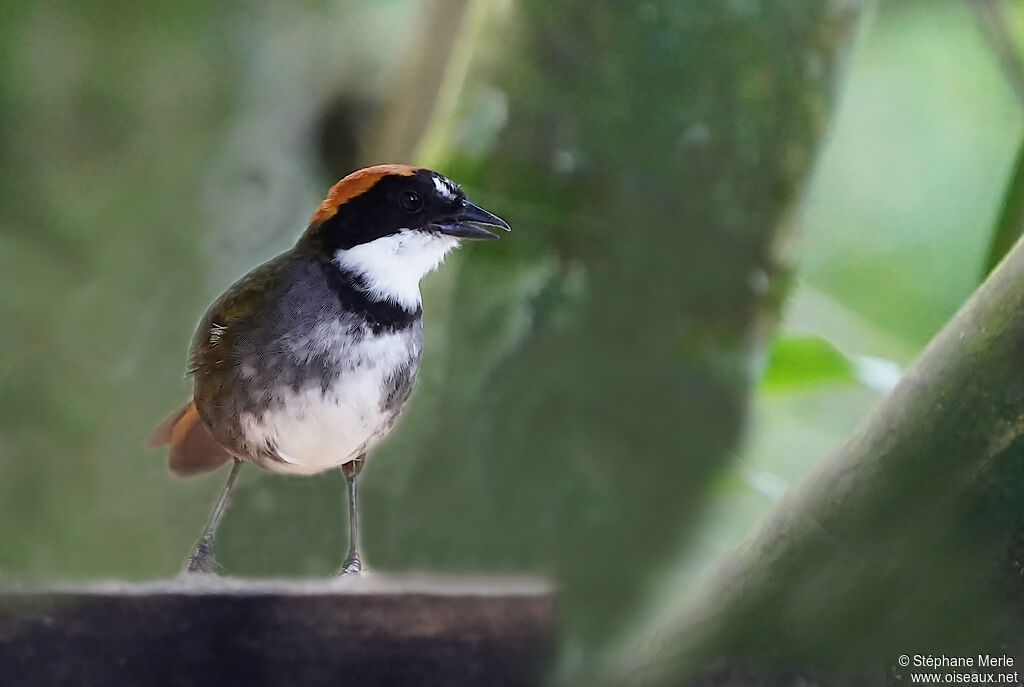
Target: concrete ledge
<point>374,631</point>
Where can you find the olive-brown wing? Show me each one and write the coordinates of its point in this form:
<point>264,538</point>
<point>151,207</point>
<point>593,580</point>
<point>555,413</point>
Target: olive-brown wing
<point>226,328</point>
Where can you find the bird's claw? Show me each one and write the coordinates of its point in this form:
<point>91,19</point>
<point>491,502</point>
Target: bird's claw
<point>351,566</point>
<point>202,562</point>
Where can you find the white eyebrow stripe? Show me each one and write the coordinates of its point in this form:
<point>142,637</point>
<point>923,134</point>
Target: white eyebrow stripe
<point>444,187</point>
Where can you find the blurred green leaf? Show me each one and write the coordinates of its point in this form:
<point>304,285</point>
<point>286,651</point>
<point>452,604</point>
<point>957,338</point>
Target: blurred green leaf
<point>797,362</point>
<point>1011,217</point>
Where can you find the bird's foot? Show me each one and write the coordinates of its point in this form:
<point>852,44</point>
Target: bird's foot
<point>352,566</point>
<point>202,562</point>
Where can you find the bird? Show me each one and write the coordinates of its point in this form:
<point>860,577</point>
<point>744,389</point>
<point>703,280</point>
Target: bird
<point>305,363</point>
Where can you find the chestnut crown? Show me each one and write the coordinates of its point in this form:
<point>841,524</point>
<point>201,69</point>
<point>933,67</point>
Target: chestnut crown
<point>387,200</point>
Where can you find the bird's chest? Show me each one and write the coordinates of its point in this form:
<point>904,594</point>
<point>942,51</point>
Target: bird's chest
<point>343,396</point>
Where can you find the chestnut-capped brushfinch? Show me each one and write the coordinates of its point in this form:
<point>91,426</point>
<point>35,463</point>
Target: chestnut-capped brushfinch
<point>306,362</point>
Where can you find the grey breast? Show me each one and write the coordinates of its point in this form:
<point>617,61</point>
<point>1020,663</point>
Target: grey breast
<point>305,337</point>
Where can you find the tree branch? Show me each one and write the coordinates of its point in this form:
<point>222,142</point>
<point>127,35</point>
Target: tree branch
<point>907,540</point>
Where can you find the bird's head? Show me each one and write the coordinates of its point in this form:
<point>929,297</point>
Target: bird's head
<point>391,224</point>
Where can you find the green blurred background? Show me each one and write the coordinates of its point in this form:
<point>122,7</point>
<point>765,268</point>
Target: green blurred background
<point>153,152</point>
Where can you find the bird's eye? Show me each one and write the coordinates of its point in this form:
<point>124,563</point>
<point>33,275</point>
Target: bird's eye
<point>410,201</point>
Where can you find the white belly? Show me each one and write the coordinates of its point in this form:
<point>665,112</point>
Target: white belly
<point>313,430</point>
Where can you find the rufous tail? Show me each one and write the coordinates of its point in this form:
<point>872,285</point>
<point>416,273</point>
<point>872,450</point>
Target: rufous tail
<point>193,450</point>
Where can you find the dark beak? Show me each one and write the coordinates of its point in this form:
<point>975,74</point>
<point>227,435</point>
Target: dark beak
<point>469,223</point>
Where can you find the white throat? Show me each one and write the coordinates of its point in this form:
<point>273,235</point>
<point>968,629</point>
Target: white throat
<point>392,266</point>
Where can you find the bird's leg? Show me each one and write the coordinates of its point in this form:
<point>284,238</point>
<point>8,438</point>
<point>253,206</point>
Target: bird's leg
<point>352,562</point>
<point>202,560</point>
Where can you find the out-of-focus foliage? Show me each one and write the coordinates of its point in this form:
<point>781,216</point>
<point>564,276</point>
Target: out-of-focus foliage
<point>899,219</point>
<point>891,242</point>
<point>1010,224</point>
<point>798,362</point>
<point>915,518</point>
<point>598,363</point>
<point>893,236</point>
